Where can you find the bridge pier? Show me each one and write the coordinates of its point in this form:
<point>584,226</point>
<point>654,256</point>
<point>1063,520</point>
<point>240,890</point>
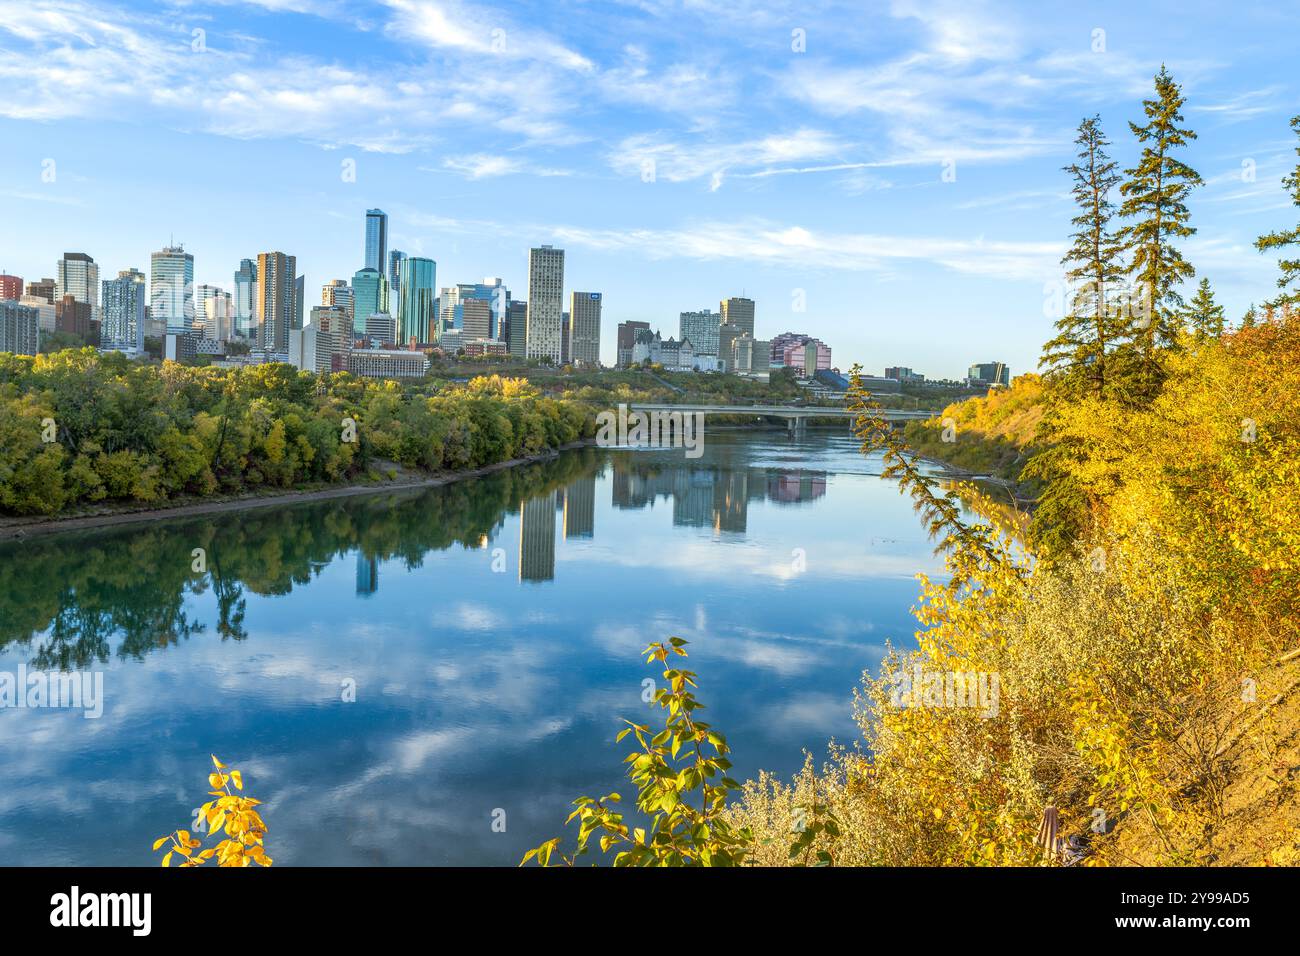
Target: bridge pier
<point>797,426</point>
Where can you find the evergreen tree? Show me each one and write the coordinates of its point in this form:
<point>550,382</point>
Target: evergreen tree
<point>1155,205</point>
<point>1289,280</point>
<point>1250,318</point>
<point>1204,317</point>
<point>1077,355</point>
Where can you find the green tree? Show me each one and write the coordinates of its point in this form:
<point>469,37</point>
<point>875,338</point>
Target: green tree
<point>1203,316</point>
<point>1289,280</point>
<point>1250,318</point>
<point>1078,354</point>
<point>1155,206</point>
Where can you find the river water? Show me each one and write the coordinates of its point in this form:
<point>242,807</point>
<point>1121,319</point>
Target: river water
<point>429,677</point>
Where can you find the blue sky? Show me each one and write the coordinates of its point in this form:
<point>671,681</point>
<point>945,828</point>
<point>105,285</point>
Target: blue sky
<point>680,151</point>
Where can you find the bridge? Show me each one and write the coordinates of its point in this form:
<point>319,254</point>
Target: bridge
<point>796,416</point>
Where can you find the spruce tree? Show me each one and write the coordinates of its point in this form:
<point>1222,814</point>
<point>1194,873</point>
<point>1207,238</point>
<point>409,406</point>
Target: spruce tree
<point>1077,356</point>
<point>1155,206</point>
<point>1289,280</point>
<point>1250,318</point>
<point>1204,317</point>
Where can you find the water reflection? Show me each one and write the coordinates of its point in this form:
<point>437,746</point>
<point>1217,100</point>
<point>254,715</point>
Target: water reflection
<point>492,630</point>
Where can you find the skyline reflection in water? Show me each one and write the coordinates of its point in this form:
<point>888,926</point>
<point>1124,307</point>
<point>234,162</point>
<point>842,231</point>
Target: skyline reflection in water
<point>492,629</point>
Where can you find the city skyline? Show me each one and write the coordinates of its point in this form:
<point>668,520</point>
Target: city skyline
<point>482,133</point>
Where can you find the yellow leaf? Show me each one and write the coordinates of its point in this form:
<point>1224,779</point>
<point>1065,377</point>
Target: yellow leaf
<point>160,841</point>
<point>167,858</point>
<point>236,776</point>
<point>219,764</point>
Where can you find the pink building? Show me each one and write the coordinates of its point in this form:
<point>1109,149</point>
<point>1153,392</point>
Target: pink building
<point>803,352</point>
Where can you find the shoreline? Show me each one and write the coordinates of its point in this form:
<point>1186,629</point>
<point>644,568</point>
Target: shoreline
<point>23,528</point>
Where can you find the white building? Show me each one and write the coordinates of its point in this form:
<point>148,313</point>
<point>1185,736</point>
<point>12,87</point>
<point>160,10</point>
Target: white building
<point>544,321</point>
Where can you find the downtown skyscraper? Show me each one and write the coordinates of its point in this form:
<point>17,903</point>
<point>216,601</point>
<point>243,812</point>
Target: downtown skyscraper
<point>171,289</point>
<point>79,278</point>
<point>543,337</point>
<point>417,313</point>
<point>376,239</point>
<point>584,328</point>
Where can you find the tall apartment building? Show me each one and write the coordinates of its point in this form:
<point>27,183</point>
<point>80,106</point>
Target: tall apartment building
<point>376,239</point>
<point>625,340</point>
<point>244,301</point>
<point>171,289</point>
<point>277,293</point>
<point>545,317</point>
<point>584,328</point>
<point>78,276</point>
<point>19,328</point>
<point>701,329</point>
<point>11,287</point>
<point>122,325</point>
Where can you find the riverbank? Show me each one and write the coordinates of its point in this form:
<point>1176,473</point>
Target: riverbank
<point>18,528</point>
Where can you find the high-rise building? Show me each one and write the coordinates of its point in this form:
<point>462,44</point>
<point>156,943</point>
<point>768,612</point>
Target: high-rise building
<point>491,291</point>
<point>75,317</point>
<point>545,319</point>
<point>339,294</point>
<point>219,316</point>
<point>565,358</point>
<point>476,320</point>
<point>203,294</point>
<point>245,299</point>
<point>367,574</point>
<point>171,289</point>
<point>277,306</point>
<point>418,306</point>
<point>584,328</point>
<point>537,538</point>
<point>626,340</point>
<point>78,276</point>
<point>376,239</point>
<point>122,326</point>
<point>989,373</point>
<point>516,334</point>
<point>46,312</point>
<point>19,328</point>
<point>333,337</point>
<point>749,354</point>
<point>46,289</point>
<point>727,335</point>
<point>11,287</point>
<point>380,330</point>
<point>801,352</point>
<point>369,297</point>
<point>395,257</point>
<point>701,328</point>
<point>580,508</point>
<point>738,312</point>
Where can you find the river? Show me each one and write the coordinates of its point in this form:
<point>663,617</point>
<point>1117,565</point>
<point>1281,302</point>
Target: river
<point>429,677</point>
